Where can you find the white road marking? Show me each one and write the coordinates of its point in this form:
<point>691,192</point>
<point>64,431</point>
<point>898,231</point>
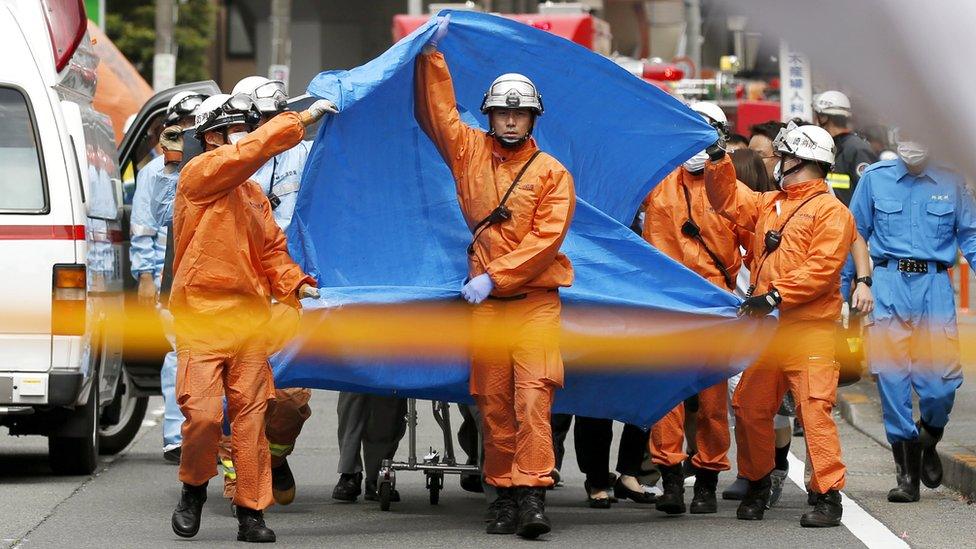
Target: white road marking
<point>872,532</point>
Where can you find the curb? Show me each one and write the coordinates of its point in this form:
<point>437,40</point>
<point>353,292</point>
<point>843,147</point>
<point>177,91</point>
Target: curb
<point>862,413</point>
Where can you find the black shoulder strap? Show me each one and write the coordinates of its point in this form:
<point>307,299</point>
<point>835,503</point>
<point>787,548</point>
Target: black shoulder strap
<point>701,240</point>
<point>798,208</point>
<point>488,220</point>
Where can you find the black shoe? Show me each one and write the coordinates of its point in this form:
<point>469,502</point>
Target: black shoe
<point>173,455</point>
<point>928,437</point>
<point>737,490</point>
<point>753,505</point>
<point>908,455</point>
<point>597,503</point>
<point>472,483</point>
<point>621,491</point>
<point>688,468</point>
<point>811,497</point>
<point>503,512</point>
<point>186,517</point>
<point>704,502</point>
<point>349,487</point>
<point>282,484</point>
<point>371,494</point>
<point>672,501</point>
<point>251,527</point>
<point>532,519</point>
<point>826,513</point>
<point>798,427</point>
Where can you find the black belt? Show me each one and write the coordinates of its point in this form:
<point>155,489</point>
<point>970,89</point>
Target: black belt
<point>516,297</point>
<point>913,265</point>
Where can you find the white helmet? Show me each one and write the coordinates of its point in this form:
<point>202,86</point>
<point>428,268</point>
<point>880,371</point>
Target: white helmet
<point>222,110</point>
<point>183,104</point>
<point>269,95</point>
<point>713,114</point>
<point>807,142</point>
<point>512,91</point>
<point>832,103</point>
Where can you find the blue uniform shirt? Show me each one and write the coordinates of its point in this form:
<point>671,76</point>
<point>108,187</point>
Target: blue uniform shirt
<point>924,217</point>
<point>152,210</point>
<point>286,169</point>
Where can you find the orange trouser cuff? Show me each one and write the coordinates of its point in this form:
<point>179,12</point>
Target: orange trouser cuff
<point>712,438</point>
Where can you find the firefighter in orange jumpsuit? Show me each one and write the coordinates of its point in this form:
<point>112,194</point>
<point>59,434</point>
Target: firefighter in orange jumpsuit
<point>802,236</point>
<point>515,270</point>
<point>681,223</point>
<point>230,260</point>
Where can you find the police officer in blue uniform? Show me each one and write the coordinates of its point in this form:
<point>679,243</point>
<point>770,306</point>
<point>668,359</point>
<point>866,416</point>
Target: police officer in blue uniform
<point>914,214</point>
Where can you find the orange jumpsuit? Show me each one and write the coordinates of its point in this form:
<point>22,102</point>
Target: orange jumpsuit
<point>666,210</point>
<point>806,272</point>
<point>514,382</point>
<point>230,259</point>
<point>287,411</point>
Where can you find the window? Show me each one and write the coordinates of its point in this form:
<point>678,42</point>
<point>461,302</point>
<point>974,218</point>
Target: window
<point>240,31</point>
<point>22,187</point>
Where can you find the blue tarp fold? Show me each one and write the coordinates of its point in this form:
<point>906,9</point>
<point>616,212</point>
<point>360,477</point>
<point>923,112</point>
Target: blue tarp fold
<point>378,221</point>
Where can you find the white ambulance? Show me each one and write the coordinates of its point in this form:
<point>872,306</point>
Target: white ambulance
<point>61,243</point>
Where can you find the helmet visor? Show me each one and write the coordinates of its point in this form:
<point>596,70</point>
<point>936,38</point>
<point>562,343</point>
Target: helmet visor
<point>186,105</point>
<point>238,103</point>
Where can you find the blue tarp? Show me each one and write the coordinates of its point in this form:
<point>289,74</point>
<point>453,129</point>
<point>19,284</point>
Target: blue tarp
<point>378,221</point>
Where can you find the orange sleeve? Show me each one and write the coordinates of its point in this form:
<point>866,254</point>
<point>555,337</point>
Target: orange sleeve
<point>731,199</point>
<point>435,108</point>
<point>539,248</point>
<point>833,233</point>
<point>658,228</point>
<point>283,273</point>
<point>214,173</point>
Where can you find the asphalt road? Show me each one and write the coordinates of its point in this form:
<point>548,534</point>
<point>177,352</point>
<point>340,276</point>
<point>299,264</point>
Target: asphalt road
<point>129,501</point>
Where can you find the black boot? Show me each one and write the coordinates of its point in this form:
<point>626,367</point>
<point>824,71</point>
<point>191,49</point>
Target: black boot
<point>532,519</point>
<point>826,513</point>
<point>251,527</point>
<point>753,505</point>
<point>908,455</point>
<point>704,502</point>
<point>931,463</point>
<point>186,517</point>
<point>504,511</point>
<point>349,487</point>
<point>672,501</point>
<point>282,484</point>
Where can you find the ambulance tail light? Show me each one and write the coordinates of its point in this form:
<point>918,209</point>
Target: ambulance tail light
<point>67,24</point>
<point>69,296</point>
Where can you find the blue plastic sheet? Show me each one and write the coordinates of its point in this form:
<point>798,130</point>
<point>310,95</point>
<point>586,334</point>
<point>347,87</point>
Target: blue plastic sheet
<point>378,221</point>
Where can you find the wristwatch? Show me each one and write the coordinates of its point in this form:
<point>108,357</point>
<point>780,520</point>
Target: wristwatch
<point>864,279</point>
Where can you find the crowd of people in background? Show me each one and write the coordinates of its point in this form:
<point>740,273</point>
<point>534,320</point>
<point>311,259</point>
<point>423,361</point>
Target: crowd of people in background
<point>806,218</point>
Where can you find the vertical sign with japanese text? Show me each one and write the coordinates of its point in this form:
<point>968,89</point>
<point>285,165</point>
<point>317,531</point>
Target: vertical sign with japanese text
<point>796,91</point>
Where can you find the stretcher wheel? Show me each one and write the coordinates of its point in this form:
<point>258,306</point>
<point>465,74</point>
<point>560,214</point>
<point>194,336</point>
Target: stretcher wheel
<point>385,491</point>
<point>435,481</point>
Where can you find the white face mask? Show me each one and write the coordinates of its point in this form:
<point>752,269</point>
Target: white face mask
<point>912,153</point>
<point>696,163</point>
<point>233,138</point>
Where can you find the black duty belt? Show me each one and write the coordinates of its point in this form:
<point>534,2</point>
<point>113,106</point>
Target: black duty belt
<point>913,265</point>
<point>516,297</point>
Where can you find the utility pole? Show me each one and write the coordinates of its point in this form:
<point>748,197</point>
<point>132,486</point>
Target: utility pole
<point>693,36</point>
<point>164,60</point>
<point>280,67</point>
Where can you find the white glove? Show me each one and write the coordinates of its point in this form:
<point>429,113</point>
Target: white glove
<point>308,291</point>
<point>318,109</point>
<point>477,289</point>
<point>442,23</point>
